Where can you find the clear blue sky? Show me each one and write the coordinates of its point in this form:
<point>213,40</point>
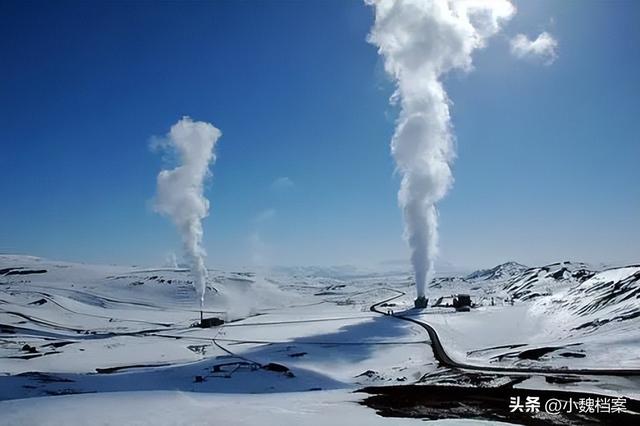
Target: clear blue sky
<point>548,156</point>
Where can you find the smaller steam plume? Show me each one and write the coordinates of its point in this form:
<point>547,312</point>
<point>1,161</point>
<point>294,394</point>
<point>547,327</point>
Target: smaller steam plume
<point>180,190</point>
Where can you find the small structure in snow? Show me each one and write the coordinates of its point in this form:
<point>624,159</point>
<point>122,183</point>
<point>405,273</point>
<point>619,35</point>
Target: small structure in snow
<point>210,322</point>
<point>462,302</point>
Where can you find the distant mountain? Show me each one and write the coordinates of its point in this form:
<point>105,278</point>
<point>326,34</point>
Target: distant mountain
<point>503,271</point>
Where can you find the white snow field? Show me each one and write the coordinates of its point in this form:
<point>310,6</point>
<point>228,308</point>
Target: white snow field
<point>563,315</point>
<point>97,344</point>
<point>183,408</point>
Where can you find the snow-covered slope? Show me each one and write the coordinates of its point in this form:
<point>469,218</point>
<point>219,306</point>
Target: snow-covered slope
<point>68,328</point>
<point>608,299</point>
<point>564,314</point>
<point>545,280</point>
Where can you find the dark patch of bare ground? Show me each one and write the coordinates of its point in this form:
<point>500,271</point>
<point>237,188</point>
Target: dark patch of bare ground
<point>21,271</point>
<point>450,394</point>
<point>109,370</point>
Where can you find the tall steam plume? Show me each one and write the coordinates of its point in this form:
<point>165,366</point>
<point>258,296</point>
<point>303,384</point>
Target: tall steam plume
<point>180,190</point>
<point>420,41</point>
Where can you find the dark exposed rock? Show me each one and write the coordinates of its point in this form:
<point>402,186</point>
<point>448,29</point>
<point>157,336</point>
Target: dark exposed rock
<point>536,353</point>
<point>436,402</point>
<point>572,355</point>
<point>278,368</point>
<point>272,366</point>
<point>26,271</point>
<point>30,349</point>
<point>368,373</point>
<point>7,270</point>
<point>109,370</point>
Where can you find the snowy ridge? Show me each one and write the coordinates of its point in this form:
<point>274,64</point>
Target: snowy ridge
<point>503,271</point>
<point>546,280</point>
<point>609,297</point>
<point>564,314</point>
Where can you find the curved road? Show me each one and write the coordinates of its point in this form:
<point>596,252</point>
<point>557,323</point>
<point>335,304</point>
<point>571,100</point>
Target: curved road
<point>442,356</point>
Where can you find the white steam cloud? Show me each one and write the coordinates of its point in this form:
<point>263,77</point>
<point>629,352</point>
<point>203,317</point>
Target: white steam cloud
<point>543,48</point>
<point>180,190</point>
<point>420,41</point>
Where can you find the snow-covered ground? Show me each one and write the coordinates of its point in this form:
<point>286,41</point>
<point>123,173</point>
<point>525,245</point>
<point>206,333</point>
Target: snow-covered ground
<point>303,340</point>
<point>182,408</point>
<point>560,315</point>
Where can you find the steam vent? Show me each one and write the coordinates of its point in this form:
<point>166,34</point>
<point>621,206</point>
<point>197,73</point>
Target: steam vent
<point>421,302</point>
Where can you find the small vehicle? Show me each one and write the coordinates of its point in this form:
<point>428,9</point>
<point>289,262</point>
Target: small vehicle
<point>462,302</point>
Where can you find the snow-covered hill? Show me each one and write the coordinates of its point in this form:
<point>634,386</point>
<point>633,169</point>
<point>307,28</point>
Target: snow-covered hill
<point>606,300</point>
<point>545,280</point>
<point>85,323</point>
<point>560,314</point>
<point>500,272</point>
<point>68,328</point>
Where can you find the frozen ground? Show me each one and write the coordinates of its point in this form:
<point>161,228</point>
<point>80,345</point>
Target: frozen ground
<point>73,334</point>
<point>563,316</point>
